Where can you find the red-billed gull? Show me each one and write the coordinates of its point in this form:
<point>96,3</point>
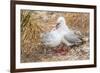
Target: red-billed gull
<point>61,34</point>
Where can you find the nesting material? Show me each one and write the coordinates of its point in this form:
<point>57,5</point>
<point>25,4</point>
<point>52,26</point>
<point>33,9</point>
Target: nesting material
<point>33,23</point>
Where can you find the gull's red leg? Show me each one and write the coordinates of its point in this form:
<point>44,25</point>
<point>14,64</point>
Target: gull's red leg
<point>61,50</point>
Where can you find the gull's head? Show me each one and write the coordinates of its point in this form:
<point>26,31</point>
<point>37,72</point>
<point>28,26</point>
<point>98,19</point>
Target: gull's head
<point>61,22</point>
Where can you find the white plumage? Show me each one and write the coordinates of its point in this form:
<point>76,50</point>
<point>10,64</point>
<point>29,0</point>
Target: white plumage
<point>61,34</point>
<point>51,39</point>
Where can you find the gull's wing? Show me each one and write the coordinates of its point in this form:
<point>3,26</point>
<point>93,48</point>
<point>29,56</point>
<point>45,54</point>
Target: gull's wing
<point>72,38</point>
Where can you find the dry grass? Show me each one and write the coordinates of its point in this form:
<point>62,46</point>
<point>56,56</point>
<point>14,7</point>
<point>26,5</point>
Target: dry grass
<point>33,23</point>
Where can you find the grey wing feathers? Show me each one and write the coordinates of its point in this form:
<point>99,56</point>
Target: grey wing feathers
<point>72,38</point>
